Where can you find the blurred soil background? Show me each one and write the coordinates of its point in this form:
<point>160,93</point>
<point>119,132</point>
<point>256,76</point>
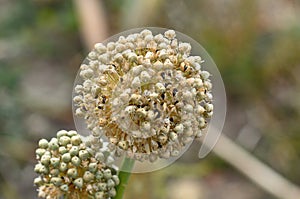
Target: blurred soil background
<point>255,44</point>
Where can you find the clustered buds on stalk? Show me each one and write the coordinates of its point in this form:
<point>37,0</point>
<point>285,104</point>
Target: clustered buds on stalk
<point>146,94</point>
<point>71,168</point>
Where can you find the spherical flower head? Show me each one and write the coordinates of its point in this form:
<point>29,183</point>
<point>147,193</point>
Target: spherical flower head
<point>72,169</point>
<point>146,93</point>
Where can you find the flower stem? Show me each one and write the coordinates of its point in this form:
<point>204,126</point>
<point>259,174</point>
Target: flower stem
<point>127,166</point>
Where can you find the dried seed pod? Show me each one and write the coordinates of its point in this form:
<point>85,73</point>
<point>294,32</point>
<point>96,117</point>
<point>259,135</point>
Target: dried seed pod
<point>153,86</point>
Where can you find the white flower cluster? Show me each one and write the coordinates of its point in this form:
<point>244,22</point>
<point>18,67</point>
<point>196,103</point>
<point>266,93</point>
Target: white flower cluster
<point>69,167</point>
<point>146,93</point>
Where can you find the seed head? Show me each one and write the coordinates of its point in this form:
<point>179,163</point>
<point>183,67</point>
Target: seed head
<point>154,96</point>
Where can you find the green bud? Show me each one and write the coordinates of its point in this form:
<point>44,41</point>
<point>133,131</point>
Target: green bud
<point>110,183</point>
<point>116,179</point>
<point>63,167</point>
<point>72,133</point>
<point>54,172</point>
<point>53,144</point>
<point>99,195</point>
<point>91,151</point>
<point>66,157</point>
<point>83,154</point>
<point>100,157</point>
<point>102,186</point>
<point>93,167</point>
<point>40,152</point>
<point>88,143</point>
<point>99,175</point>
<point>38,181</point>
<point>64,140</point>
<point>78,183</point>
<point>72,172</point>
<point>61,133</point>
<point>88,176</point>
<point>76,140</point>
<point>107,173</point>
<point>56,181</point>
<point>37,168</point>
<point>44,170</point>
<point>64,187</point>
<point>45,159</point>
<point>74,150</point>
<point>112,193</point>
<point>43,143</point>
<point>54,161</point>
<point>75,161</point>
<point>62,150</point>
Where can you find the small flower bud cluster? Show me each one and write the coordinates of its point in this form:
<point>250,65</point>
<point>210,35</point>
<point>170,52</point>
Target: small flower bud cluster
<point>146,93</point>
<point>68,167</point>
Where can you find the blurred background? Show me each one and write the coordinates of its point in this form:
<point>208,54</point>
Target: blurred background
<point>255,44</point>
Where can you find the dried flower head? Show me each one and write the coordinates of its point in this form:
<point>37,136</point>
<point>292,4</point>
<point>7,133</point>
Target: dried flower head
<point>69,167</point>
<point>146,94</point>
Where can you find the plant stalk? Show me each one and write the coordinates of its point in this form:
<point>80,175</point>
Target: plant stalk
<point>127,166</point>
